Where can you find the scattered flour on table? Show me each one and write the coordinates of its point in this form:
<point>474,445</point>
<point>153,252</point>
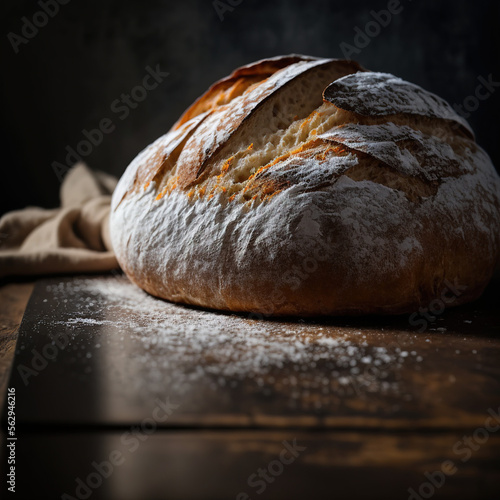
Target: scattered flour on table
<point>160,339</point>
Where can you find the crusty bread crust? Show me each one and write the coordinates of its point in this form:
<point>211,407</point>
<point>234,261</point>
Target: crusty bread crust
<point>305,186</point>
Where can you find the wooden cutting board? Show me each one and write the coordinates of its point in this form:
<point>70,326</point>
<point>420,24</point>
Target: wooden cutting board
<point>369,406</point>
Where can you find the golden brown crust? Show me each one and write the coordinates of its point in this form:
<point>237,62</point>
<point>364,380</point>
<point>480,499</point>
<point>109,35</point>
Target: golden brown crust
<point>227,120</point>
<point>226,89</point>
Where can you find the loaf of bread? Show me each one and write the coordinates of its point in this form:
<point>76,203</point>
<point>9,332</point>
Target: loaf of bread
<point>305,186</point>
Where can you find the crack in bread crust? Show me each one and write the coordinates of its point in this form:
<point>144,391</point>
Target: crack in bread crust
<point>262,118</point>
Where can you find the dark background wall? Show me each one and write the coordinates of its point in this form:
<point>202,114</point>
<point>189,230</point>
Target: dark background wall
<point>64,79</point>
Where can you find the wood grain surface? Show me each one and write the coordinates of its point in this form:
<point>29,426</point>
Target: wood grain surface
<point>243,464</point>
<point>360,441</point>
<point>13,300</point>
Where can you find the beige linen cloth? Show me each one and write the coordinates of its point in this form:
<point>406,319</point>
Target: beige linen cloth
<point>72,238</point>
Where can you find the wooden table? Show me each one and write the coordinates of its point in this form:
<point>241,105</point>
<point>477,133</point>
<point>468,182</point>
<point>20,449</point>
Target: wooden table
<point>416,426</point>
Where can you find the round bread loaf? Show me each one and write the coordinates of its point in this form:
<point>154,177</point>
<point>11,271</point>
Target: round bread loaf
<point>305,186</point>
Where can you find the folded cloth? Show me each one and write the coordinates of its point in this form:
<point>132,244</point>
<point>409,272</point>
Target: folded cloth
<point>73,238</point>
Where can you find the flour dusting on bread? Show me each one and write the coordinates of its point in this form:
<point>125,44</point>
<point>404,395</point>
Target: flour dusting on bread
<point>310,186</point>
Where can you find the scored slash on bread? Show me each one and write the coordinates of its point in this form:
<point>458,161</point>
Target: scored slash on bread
<point>270,105</point>
<point>236,83</point>
<point>293,135</point>
<point>267,97</point>
<point>231,108</point>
